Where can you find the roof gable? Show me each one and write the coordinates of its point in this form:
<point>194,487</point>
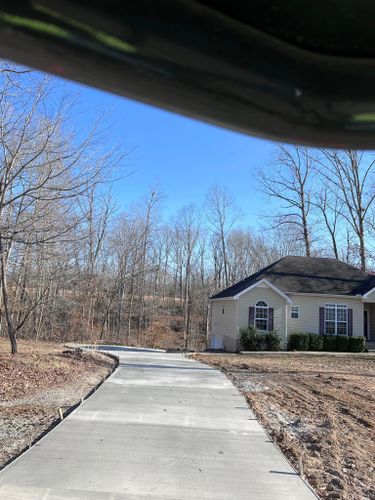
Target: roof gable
<point>267,284</point>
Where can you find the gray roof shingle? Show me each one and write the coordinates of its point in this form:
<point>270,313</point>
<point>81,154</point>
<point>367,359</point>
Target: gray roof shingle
<point>308,275</point>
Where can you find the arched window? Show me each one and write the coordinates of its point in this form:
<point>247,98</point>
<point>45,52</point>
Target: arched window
<point>261,315</point>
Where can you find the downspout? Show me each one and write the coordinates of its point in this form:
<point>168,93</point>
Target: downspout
<point>237,342</point>
<point>286,326</point>
<point>368,308</point>
<point>208,325</point>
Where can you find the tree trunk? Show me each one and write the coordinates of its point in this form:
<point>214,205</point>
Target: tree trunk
<point>306,237</point>
<point>362,248</point>
<point>5,297</point>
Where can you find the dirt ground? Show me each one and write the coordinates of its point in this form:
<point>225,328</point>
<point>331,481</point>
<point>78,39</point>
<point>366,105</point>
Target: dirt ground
<point>317,409</point>
<point>35,383</point>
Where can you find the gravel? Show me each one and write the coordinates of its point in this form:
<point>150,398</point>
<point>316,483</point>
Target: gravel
<point>34,385</point>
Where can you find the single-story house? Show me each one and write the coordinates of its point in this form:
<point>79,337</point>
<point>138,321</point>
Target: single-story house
<point>310,294</point>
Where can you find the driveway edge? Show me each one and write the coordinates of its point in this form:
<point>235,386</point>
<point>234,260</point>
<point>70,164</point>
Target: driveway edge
<point>67,411</point>
<point>303,478</point>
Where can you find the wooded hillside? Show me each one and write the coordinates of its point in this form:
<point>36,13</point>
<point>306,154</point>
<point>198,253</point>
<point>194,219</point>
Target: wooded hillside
<point>72,267</point>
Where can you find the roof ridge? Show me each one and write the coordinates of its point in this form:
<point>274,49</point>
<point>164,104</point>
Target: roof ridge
<point>328,258</point>
<point>306,275</point>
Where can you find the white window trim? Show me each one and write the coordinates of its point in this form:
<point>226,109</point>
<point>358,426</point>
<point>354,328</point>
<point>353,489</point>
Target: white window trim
<point>336,307</point>
<point>291,311</point>
<point>261,319</point>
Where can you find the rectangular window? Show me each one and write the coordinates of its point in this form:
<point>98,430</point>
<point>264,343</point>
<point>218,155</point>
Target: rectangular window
<point>261,316</point>
<point>336,319</point>
<point>261,324</point>
<point>294,312</point>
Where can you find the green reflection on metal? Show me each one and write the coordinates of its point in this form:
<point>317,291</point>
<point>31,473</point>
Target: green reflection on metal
<point>364,117</point>
<point>34,25</point>
<point>100,36</point>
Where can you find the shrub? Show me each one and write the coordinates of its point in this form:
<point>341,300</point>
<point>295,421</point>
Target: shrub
<point>316,342</point>
<point>177,325</point>
<point>272,341</point>
<point>251,339</point>
<point>298,341</point>
<point>356,344</point>
<point>342,343</point>
<point>330,343</point>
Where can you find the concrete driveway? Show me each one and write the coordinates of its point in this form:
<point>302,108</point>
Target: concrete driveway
<point>161,427</point>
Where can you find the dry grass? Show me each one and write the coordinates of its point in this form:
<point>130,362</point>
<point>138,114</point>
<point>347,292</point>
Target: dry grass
<point>321,409</point>
<point>35,383</point>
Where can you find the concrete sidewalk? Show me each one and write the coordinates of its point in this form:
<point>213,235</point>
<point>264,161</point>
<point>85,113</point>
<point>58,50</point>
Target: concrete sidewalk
<point>161,427</point>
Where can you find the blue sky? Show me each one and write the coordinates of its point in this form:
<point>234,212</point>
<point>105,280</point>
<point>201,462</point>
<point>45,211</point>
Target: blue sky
<point>182,156</point>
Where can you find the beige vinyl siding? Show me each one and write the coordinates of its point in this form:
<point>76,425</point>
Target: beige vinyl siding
<point>236,314</point>
<point>309,305</point>
<point>223,324</point>
<point>272,299</point>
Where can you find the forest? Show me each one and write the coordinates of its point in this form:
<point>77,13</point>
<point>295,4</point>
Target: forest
<point>75,268</point>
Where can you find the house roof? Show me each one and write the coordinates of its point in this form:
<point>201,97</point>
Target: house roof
<point>308,275</point>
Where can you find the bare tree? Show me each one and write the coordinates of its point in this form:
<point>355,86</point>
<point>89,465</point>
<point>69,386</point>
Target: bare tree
<point>329,207</point>
<point>147,223</point>
<point>288,180</point>
<point>350,174</point>
<point>222,214</point>
<point>43,169</point>
<point>186,235</point>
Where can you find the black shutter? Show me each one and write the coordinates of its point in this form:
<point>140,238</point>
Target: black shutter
<point>321,320</point>
<point>270,319</point>
<point>350,322</point>
<point>251,316</point>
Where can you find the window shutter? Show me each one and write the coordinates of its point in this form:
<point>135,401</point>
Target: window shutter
<point>270,319</point>
<point>251,316</point>
<point>321,320</point>
<point>350,322</point>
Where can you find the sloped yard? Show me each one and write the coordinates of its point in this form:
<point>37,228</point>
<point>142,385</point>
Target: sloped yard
<point>320,410</point>
<point>35,383</point>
